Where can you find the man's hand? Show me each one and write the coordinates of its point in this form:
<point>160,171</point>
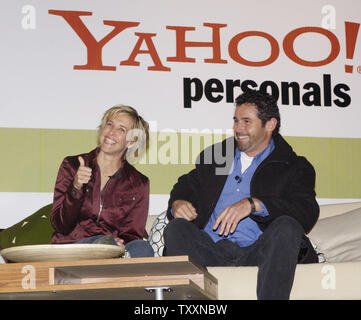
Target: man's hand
<point>228,219</point>
<point>83,174</point>
<point>184,209</point>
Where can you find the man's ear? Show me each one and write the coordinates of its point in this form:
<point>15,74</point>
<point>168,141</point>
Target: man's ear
<point>271,124</point>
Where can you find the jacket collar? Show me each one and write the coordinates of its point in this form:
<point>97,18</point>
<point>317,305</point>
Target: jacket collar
<point>282,152</point>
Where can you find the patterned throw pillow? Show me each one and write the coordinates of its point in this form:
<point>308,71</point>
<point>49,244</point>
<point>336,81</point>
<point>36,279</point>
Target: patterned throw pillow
<point>156,234</point>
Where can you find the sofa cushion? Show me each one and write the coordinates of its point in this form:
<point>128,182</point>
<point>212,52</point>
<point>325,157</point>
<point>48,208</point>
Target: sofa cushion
<point>338,238</point>
<point>35,229</point>
<point>156,234</point>
<point>330,210</point>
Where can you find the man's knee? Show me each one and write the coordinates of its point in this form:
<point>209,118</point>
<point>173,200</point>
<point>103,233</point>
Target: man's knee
<point>175,234</point>
<point>288,227</point>
<point>175,226</point>
<point>287,222</point>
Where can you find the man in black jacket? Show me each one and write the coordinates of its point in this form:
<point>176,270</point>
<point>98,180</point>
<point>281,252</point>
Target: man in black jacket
<point>249,202</point>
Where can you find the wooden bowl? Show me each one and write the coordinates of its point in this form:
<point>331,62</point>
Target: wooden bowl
<point>61,252</point>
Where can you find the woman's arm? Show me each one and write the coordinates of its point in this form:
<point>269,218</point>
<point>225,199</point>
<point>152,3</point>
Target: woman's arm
<point>67,199</point>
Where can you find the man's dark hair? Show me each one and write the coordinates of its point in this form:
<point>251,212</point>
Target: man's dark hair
<point>266,106</point>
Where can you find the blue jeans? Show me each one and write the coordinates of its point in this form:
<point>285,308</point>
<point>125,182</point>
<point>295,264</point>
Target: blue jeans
<point>136,248</point>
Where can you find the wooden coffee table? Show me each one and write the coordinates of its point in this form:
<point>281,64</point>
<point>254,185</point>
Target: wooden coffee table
<point>174,278</point>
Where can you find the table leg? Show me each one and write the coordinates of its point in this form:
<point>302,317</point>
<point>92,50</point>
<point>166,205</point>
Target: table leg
<point>158,291</point>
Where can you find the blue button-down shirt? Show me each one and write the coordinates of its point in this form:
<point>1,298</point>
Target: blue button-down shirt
<point>234,190</point>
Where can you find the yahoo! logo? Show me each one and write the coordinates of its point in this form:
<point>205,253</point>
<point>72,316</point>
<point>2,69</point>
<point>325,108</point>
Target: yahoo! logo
<point>94,47</point>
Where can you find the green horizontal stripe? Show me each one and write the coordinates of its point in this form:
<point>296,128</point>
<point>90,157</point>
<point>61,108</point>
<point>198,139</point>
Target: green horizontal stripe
<point>31,158</point>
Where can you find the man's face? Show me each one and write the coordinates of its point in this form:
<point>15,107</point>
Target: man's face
<point>251,136</point>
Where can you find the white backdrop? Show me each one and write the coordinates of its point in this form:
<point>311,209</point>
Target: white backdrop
<point>41,89</point>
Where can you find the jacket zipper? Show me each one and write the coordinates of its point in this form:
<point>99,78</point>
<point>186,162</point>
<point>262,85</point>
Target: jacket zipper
<point>101,201</point>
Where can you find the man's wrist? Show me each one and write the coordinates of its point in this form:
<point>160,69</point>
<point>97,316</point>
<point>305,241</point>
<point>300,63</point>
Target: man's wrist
<point>253,206</point>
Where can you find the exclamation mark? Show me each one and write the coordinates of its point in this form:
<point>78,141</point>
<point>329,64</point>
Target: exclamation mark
<point>351,31</point>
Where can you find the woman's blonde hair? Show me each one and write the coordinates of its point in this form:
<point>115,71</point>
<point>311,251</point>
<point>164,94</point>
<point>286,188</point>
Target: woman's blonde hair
<point>139,133</point>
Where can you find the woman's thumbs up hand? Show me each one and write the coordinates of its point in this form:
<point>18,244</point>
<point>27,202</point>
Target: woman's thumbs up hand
<point>82,175</point>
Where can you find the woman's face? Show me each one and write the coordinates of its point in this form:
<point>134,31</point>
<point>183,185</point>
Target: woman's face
<point>112,136</point>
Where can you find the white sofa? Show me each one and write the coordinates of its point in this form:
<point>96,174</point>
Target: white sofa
<point>336,235</point>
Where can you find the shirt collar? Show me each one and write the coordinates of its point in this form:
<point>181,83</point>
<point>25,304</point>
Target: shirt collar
<point>262,155</point>
<point>123,171</point>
